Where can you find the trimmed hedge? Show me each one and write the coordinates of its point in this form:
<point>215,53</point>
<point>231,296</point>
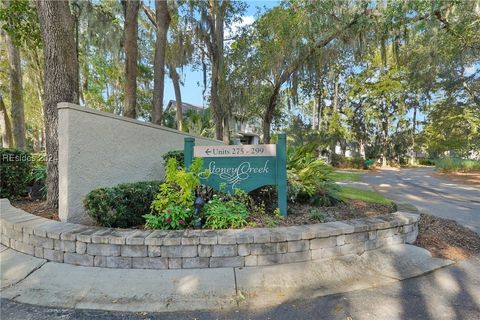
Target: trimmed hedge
<point>122,206</point>
<point>177,154</point>
<point>15,172</point>
<point>339,161</point>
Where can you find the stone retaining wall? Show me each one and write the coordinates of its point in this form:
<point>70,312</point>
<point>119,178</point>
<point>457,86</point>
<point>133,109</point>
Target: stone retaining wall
<point>144,249</point>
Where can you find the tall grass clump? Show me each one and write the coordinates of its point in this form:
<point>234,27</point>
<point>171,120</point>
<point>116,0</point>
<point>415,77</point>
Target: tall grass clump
<point>456,165</point>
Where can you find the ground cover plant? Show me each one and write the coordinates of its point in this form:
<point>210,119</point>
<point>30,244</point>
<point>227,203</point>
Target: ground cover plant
<point>457,165</point>
<point>345,176</point>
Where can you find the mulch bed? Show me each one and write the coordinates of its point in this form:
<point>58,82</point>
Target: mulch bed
<point>471,178</point>
<point>447,239</point>
<point>36,207</point>
<point>299,214</point>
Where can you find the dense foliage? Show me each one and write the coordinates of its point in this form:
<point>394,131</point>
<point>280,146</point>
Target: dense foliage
<point>456,165</point>
<point>309,178</point>
<point>121,206</point>
<point>15,172</point>
<point>224,213</point>
<point>172,206</point>
<point>177,155</point>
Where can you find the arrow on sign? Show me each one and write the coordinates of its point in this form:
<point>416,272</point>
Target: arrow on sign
<point>208,152</point>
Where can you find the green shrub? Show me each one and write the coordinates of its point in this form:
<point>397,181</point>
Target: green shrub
<point>171,208</point>
<point>177,155</point>
<point>456,165</point>
<point>15,172</point>
<point>342,162</point>
<point>426,162</point>
<point>309,178</point>
<point>225,213</point>
<point>121,206</point>
<point>317,215</point>
<point>38,176</point>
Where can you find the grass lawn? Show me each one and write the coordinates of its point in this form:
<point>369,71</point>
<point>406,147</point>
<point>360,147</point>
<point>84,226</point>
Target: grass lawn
<point>350,193</point>
<point>345,176</point>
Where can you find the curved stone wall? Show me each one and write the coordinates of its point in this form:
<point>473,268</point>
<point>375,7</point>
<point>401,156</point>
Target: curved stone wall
<point>144,249</point>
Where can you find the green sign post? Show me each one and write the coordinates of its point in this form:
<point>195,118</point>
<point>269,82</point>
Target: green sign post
<point>244,167</point>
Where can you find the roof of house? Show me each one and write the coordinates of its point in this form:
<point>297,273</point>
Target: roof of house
<point>185,107</point>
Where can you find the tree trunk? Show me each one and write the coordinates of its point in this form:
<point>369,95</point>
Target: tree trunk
<point>16,95</point>
<point>61,81</point>
<point>335,95</point>
<point>362,149</point>
<point>162,17</point>
<point>7,138</point>
<point>130,32</point>
<point>216,16</point>
<point>215,102</point>
<point>384,139</point>
<point>226,129</point>
<point>343,146</point>
<point>333,144</point>
<point>414,127</point>
<point>178,96</point>
<point>268,115</point>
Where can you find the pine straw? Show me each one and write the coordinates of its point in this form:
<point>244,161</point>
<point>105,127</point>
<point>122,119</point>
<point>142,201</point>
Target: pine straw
<point>37,207</point>
<point>447,239</point>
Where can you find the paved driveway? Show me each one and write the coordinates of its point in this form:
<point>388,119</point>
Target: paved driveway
<point>429,194</point>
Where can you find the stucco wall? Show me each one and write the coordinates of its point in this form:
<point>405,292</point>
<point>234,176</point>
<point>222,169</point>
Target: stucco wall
<point>99,149</point>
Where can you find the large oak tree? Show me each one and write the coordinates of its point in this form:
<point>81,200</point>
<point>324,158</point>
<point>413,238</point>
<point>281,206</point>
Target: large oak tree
<point>61,78</point>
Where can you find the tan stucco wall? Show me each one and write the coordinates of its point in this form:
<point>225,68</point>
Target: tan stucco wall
<point>99,149</point>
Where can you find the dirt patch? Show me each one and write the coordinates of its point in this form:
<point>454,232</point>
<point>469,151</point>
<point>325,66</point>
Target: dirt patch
<point>471,178</point>
<point>37,207</point>
<point>299,214</point>
<point>447,239</point>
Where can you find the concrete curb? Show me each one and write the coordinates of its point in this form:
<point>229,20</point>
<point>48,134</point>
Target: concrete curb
<point>61,285</point>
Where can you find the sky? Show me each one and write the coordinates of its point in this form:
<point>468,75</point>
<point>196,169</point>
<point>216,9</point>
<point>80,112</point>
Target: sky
<point>193,80</point>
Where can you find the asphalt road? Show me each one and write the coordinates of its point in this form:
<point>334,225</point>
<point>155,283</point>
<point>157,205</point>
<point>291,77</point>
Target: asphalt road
<point>449,293</point>
<point>430,195</point>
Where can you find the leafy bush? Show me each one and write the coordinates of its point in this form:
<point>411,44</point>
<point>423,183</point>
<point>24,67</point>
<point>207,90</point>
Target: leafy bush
<point>426,162</point>
<point>317,215</point>
<point>309,178</point>
<point>173,217</point>
<point>15,173</point>
<point>177,155</point>
<point>266,197</point>
<point>455,165</point>
<point>339,161</point>
<point>223,213</point>
<point>171,206</point>
<point>121,206</point>
<point>38,176</point>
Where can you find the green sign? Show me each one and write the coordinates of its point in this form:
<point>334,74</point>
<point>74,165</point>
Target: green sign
<point>244,167</point>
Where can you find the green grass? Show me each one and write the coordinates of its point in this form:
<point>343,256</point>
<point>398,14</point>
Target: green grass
<point>456,165</point>
<point>350,193</point>
<point>345,176</point>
